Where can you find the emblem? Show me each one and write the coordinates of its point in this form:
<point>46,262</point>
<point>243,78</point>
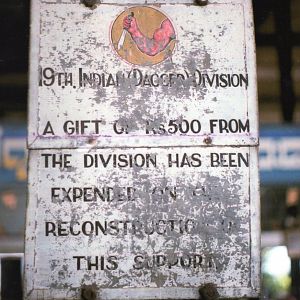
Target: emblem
<point>143,36</point>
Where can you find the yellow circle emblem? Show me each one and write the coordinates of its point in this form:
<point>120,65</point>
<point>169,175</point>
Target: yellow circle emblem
<point>143,36</point>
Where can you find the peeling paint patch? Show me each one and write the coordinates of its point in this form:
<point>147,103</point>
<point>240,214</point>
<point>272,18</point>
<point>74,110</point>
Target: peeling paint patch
<point>141,218</point>
<point>83,72</point>
<point>143,176</point>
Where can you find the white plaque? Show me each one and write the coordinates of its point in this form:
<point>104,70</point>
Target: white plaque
<point>176,70</point>
<point>143,134</point>
<point>142,223</point>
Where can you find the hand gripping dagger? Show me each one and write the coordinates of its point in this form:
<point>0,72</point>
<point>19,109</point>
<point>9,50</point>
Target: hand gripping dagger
<point>123,35</point>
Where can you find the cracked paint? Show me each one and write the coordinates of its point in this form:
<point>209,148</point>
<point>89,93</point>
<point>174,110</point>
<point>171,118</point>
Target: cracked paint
<point>143,180</point>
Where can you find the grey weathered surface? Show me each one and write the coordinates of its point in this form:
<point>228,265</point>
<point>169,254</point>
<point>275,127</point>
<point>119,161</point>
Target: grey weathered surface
<point>212,40</point>
<point>203,209</point>
<point>211,202</point>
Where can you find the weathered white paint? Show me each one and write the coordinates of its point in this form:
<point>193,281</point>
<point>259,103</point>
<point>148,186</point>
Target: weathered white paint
<point>215,39</point>
<point>221,201</point>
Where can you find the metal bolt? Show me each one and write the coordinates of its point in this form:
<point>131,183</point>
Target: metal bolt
<point>91,141</point>
<point>89,3</point>
<point>209,292</point>
<point>202,2</point>
<point>88,293</point>
<point>207,140</point>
